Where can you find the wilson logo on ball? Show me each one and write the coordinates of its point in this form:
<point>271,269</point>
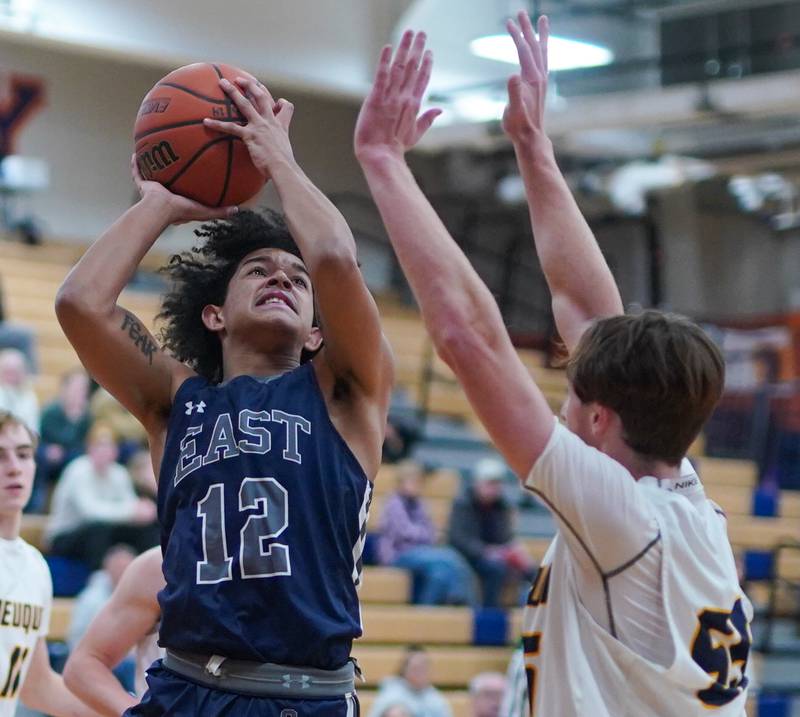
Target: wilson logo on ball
<point>156,105</point>
<point>156,158</point>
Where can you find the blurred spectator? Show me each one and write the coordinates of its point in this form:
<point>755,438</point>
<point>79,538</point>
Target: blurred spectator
<point>65,423</point>
<point>94,596</point>
<point>481,529</point>
<point>16,388</point>
<point>401,434</point>
<point>16,336</point>
<point>140,467</point>
<point>129,432</point>
<point>98,591</point>
<point>95,506</point>
<point>486,693</point>
<point>396,711</point>
<point>412,689</point>
<point>407,540</point>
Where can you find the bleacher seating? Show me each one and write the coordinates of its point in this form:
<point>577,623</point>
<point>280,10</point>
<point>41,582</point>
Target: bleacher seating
<point>30,278</point>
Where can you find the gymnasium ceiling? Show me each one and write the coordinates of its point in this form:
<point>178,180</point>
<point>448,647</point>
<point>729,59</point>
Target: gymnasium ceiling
<point>329,47</point>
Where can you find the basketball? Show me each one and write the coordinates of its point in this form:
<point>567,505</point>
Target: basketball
<point>173,146</point>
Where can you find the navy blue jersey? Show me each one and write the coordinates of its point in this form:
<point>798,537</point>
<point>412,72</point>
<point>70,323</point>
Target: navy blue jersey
<point>263,509</point>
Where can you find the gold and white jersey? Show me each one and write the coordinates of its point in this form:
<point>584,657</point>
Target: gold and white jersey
<point>26,596</point>
<point>637,609</point>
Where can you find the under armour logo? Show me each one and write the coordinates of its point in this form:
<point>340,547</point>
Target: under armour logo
<point>190,406</point>
<point>304,681</point>
<point>288,713</point>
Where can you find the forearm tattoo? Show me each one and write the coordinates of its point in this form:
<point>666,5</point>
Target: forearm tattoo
<point>138,334</point>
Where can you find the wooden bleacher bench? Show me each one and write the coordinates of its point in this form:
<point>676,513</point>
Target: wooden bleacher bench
<point>383,624</point>
<point>727,472</point>
<point>459,701</point>
<point>449,665</point>
<point>756,533</point>
<point>441,483</point>
<point>402,625</point>
<point>385,585</point>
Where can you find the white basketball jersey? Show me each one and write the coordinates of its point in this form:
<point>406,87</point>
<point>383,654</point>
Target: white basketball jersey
<point>26,596</point>
<point>581,660</point>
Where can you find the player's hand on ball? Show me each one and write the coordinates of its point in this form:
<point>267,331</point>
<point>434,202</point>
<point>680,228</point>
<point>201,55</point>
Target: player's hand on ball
<point>523,118</point>
<point>266,132</point>
<point>388,123</point>
<point>181,209</point>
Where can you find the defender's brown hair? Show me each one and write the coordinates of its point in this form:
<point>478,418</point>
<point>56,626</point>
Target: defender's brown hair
<point>659,372</point>
<point>9,419</point>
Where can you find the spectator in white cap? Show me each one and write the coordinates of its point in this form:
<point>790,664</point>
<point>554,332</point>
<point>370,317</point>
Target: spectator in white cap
<point>481,528</point>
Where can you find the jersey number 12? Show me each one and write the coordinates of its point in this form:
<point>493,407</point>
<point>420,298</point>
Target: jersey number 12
<point>258,558</point>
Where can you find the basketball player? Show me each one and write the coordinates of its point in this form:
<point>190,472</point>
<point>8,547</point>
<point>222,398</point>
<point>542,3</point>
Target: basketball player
<point>637,609</point>
<point>128,621</point>
<point>26,590</point>
<point>265,459</point>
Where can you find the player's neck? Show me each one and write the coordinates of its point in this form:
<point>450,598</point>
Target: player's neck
<point>248,363</point>
<point>640,467</point>
<point>10,524</point>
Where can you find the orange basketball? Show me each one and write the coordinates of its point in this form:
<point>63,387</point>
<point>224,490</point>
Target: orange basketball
<point>175,148</point>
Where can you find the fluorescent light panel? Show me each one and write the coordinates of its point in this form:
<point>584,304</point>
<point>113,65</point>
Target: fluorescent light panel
<point>563,54</point>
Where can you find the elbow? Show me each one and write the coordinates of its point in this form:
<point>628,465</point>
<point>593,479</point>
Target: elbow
<point>457,342</point>
<point>70,300</point>
<point>71,673</point>
<point>461,340</point>
<point>338,255</point>
<point>75,302</point>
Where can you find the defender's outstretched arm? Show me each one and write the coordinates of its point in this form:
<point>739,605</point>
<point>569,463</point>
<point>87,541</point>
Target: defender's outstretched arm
<point>581,284</point>
<point>459,311</point>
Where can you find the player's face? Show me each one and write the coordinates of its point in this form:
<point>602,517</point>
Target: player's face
<point>271,288</point>
<point>418,671</point>
<point>16,468</point>
<point>102,451</point>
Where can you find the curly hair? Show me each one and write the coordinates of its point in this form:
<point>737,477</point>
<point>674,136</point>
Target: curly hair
<point>201,276</point>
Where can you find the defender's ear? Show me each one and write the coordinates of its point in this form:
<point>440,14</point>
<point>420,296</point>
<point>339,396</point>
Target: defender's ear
<point>314,340</point>
<point>212,318</point>
<point>600,420</point>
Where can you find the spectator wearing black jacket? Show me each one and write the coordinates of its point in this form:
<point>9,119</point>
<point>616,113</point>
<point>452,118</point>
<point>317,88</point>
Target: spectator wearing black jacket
<point>481,529</point>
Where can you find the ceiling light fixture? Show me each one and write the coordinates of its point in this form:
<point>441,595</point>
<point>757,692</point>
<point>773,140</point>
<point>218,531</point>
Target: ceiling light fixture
<point>563,54</point>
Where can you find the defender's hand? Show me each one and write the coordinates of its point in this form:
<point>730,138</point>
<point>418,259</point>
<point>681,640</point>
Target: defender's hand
<point>179,209</point>
<point>387,123</point>
<point>266,133</point>
<point>523,118</point>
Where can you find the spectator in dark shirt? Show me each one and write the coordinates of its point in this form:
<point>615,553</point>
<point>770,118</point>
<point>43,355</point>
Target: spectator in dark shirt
<point>481,529</point>
<point>408,540</point>
<point>65,423</point>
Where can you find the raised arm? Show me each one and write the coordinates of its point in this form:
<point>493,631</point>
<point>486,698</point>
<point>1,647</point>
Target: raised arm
<point>459,311</point>
<point>580,281</point>
<point>355,348</point>
<point>112,343</point>
<point>130,614</point>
